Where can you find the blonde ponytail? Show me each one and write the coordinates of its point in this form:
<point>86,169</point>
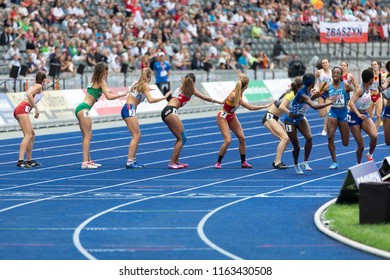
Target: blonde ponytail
<point>146,73</point>
<point>241,85</point>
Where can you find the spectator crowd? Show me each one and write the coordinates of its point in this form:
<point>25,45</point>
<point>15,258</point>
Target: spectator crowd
<point>190,34</point>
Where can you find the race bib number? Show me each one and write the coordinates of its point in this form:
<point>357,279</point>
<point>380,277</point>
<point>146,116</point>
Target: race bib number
<point>288,128</point>
<point>269,116</point>
<point>132,112</point>
<point>348,118</point>
<point>86,114</point>
<point>163,73</point>
<point>174,111</point>
<point>27,109</point>
<point>339,102</point>
<point>223,114</point>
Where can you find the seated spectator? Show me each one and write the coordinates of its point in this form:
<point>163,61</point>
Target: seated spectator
<point>197,63</point>
<point>279,54</point>
<point>179,60</point>
<point>67,64</point>
<point>185,37</point>
<point>31,65</point>
<point>55,57</point>
<point>242,61</point>
<point>6,36</point>
<point>9,55</point>
<point>115,65</point>
<point>15,61</point>
<point>257,31</point>
<point>263,61</point>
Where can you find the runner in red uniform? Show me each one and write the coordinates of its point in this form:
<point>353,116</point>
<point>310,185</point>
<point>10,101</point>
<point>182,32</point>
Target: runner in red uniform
<point>21,114</point>
<point>227,119</point>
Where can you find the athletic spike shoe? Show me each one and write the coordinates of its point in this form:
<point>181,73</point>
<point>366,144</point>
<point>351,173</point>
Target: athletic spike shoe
<point>133,165</point>
<point>280,165</point>
<point>184,164</point>
<point>218,165</point>
<point>23,164</point>
<point>298,169</point>
<point>175,166</point>
<point>334,166</point>
<point>88,165</point>
<point>305,165</point>
<point>33,163</point>
<point>245,164</point>
<point>369,157</point>
<point>97,164</point>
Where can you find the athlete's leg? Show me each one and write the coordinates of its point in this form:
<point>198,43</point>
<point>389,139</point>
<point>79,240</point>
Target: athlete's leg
<point>28,136</point>
<point>277,129</point>
<point>332,125</point>
<point>369,127</point>
<point>85,124</point>
<point>357,134</point>
<point>133,126</point>
<point>305,130</point>
<point>176,127</point>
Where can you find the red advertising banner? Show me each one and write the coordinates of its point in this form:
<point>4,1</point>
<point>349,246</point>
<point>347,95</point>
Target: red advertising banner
<point>347,31</point>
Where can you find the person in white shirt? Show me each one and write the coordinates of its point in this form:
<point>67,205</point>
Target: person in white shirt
<point>58,13</point>
<point>12,51</point>
<point>85,30</point>
<point>15,61</point>
<point>192,28</point>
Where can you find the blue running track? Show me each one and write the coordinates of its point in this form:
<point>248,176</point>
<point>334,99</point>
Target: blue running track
<point>61,212</point>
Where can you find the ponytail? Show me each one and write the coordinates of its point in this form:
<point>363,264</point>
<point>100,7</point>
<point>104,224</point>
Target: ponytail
<point>146,73</point>
<point>188,86</point>
<point>296,84</point>
<point>241,85</point>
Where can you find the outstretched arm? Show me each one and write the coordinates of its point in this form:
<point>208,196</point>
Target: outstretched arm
<point>152,99</point>
<point>251,107</point>
<point>206,98</point>
<point>317,106</point>
<point>109,94</point>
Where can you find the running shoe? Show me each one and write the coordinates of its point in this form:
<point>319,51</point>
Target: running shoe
<point>88,165</point>
<point>245,164</point>
<point>133,165</point>
<point>184,164</point>
<point>23,164</point>
<point>334,165</point>
<point>97,164</point>
<point>324,133</point>
<point>369,157</point>
<point>305,165</point>
<point>33,163</point>
<point>280,165</point>
<point>298,169</point>
<point>175,166</point>
<point>218,165</point>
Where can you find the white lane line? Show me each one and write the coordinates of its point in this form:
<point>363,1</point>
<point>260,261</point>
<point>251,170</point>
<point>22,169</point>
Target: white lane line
<point>202,223</point>
<point>76,235</point>
<point>79,152</point>
<point>260,127</point>
<point>152,151</point>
